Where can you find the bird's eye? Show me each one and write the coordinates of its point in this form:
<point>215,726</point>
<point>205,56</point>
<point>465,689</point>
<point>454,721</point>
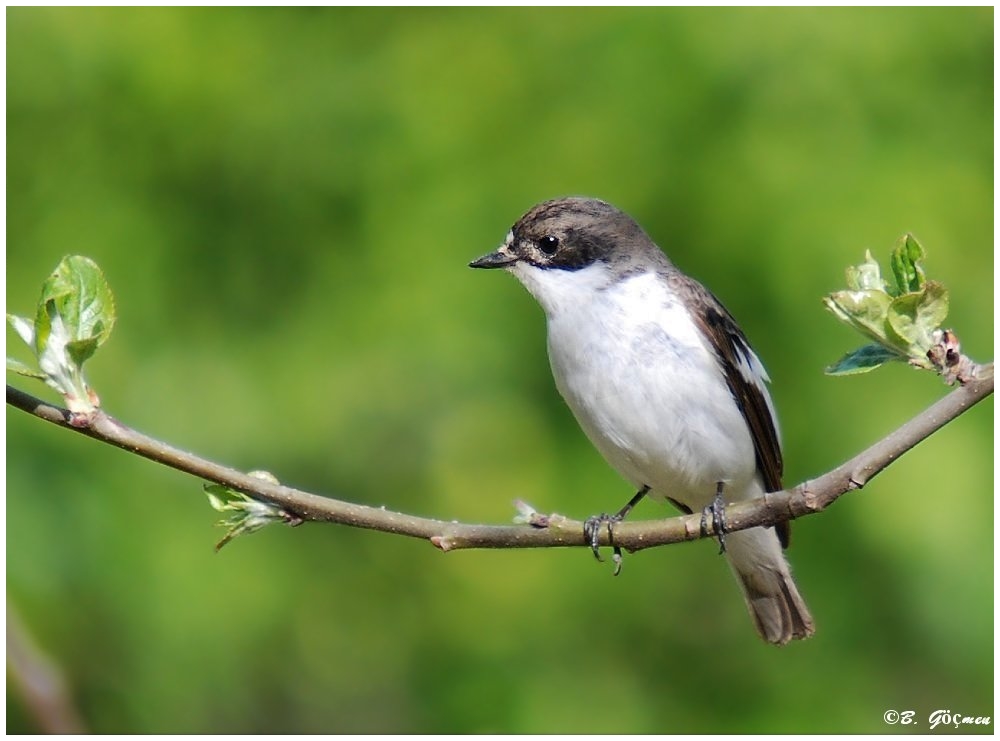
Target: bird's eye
<point>548,244</point>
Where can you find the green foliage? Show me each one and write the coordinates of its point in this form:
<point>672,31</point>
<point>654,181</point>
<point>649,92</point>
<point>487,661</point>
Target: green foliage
<point>74,316</point>
<point>905,261</point>
<point>248,514</point>
<point>904,318</point>
<point>285,201</point>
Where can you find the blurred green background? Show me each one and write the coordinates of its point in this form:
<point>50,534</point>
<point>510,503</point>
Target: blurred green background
<point>285,201</point>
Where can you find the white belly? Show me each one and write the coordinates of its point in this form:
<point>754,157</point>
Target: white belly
<point>649,394</point>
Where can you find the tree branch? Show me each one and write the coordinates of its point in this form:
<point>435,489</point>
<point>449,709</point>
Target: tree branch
<point>547,531</point>
<point>39,681</point>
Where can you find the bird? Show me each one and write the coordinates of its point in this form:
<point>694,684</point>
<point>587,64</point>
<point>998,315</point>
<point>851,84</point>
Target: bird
<point>663,382</point>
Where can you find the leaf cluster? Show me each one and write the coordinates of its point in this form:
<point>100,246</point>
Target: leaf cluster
<point>74,316</point>
<point>249,514</point>
<point>903,316</point>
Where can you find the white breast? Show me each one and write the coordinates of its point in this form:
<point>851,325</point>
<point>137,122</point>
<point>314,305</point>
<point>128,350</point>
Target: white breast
<point>643,383</point>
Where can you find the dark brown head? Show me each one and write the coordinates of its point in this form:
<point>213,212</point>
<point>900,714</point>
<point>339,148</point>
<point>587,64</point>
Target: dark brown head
<point>571,234</point>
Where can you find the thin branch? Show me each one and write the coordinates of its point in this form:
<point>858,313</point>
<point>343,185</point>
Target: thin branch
<point>39,681</point>
<point>806,498</point>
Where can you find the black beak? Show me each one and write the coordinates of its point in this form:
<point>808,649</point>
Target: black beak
<point>498,259</point>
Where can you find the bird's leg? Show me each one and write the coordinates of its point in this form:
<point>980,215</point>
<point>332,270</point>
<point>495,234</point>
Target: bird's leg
<point>718,511</point>
<point>592,529</point>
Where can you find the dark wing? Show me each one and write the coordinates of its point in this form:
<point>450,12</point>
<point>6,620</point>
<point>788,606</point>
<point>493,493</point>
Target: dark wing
<point>745,377</point>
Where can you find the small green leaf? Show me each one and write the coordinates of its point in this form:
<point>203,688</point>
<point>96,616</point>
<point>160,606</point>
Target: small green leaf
<point>25,328</point>
<point>80,350</point>
<point>865,277</point>
<point>905,261</point>
<point>864,310</point>
<point>914,317</point>
<point>862,360</point>
<point>26,331</point>
<point>77,293</point>
<point>16,366</point>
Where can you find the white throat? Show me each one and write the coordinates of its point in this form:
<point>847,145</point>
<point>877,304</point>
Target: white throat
<point>563,290</point>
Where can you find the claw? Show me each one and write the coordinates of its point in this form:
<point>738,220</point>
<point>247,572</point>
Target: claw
<point>616,559</point>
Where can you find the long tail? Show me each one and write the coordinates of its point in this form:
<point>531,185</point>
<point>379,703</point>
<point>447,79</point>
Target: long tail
<point>778,610</point>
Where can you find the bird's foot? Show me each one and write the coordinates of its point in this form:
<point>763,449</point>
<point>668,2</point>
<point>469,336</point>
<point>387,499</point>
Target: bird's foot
<point>717,510</point>
<point>592,533</point>
<point>592,529</point>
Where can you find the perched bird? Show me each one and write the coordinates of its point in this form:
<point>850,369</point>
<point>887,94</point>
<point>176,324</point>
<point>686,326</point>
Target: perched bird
<point>662,381</point>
